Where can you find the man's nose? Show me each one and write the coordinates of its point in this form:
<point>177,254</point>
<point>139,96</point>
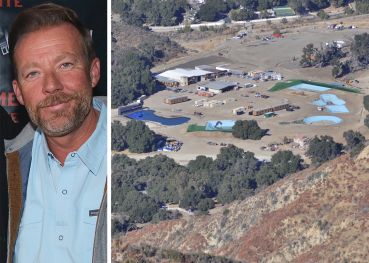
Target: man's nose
<point>52,83</point>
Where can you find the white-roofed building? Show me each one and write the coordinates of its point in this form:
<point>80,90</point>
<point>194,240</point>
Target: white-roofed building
<point>217,87</point>
<point>185,76</point>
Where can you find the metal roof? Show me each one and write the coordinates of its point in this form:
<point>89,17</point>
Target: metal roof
<point>210,68</point>
<point>164,79</point>
<point>219,85</point>
<point>177,73</point>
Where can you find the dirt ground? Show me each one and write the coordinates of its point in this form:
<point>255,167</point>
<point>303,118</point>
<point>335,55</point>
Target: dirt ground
<point>251,54</point>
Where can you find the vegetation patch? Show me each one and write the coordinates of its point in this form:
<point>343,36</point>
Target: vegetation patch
<point>147,253</point>
<point>142,189</point>
<point>197,128</point>
<point>283,11</point>
<point>291,122</point>
<point>248,129</point>
<point>135,136</point>
<point>288,84</point>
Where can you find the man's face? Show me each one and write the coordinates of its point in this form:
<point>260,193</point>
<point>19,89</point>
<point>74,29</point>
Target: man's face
<point>54,81</point>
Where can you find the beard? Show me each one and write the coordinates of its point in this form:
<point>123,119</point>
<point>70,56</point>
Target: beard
<point>62,122</point>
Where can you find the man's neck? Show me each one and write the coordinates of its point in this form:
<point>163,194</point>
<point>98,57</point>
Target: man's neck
<point>62,146</point>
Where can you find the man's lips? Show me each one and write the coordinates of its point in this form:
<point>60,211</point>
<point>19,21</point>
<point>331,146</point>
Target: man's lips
<point>55,105</point>
<point>52,103</point>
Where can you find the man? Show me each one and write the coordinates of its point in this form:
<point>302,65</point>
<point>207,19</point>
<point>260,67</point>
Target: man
<point>61,214</point>
<point>8,130</point>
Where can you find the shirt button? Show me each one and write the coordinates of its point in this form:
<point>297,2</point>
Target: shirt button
<point>61,237</point>
<point>64,191</point>
<point>73,154</point>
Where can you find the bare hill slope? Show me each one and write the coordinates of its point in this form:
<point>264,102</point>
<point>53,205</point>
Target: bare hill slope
<point>318,215</point>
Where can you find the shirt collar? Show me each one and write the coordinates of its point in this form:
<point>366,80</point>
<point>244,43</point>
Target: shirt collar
<point>92,152</point>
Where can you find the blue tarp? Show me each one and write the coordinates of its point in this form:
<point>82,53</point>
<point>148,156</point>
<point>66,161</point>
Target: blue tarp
<point>313,119</point>
<point>225,125</point>
<point>309,87</point>
<point>148,115</point>
<point>332,103</point>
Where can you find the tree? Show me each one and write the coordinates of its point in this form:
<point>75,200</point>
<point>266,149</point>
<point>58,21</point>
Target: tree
<point>310,56</point>
<point>163,214</point>
<point>212,10</point>
<point>154,12</point>
<point>206,204</point>
<point>298,6</point>
<point>139,207</point>
<point>135,136</point>
<point>281,164</point>
<point>266,175</point>
<point>348,11</point>
<point>323,149</point>
<point>360,49</point>
<point>338,3</point>
<point>314,5</point>
<point>248,129</point>
<point>123,226</point>
<point>200,163</point>
<point>131,78</point>
<point>366,121</point>
<point>362,6</point>
<point>191,199</point>
<point>322,15</point>
<point>366,102</point>
<point>118,142</point>
<point>249,4</point>
<point>339,69</point>
<point>242,15</point>
<point>229,155</point>
<point>285,162</point>
<point>171,12</point>
<point>263,5</point>
<point>163,189</point>
<point>355,142</point>
<point>284,20</point>
<point>234,188</point>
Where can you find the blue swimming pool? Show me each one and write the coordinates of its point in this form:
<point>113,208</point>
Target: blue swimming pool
<point>222,125</point>
<point>309,87</point>
<point>332,103</point>
<point>332,98</point>
<point>149,115</point>
<point>337,109</point>
<point>315,119</point>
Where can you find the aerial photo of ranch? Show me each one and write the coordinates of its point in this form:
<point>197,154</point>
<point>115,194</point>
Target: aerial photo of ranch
<point>253,75</point>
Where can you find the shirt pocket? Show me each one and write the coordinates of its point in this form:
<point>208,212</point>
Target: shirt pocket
<point>89,226</point>
<point>90,216</point>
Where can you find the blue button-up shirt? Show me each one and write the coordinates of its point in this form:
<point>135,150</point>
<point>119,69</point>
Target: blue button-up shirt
<point>60,212</point>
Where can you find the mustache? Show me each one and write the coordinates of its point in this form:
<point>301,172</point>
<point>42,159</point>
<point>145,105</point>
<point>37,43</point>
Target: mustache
<point>56,99</point>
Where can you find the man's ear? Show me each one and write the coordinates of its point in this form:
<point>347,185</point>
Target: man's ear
<point>18,92</point>
<point>95,72</point>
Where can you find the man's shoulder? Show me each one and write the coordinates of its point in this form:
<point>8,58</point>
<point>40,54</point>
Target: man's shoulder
<point>101,99</point>
<point>21,140</point>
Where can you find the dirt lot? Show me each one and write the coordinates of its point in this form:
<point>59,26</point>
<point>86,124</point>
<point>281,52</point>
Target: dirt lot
<point>251,54</point>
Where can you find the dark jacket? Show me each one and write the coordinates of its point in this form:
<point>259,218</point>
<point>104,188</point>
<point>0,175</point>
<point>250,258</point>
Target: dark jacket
<point>18,165</point>
<point>8,130</point>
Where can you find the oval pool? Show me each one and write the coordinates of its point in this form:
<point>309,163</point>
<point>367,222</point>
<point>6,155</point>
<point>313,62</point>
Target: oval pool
<point>323,120</point>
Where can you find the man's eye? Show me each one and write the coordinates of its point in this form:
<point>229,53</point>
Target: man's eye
<point>66,65</point>
<point>32,74</point>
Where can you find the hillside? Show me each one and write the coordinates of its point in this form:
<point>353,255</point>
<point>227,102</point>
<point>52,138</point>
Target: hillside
<point>317,215</point>
<point>127,37</point>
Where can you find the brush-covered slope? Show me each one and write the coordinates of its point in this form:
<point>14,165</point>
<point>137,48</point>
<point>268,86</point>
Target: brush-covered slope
<point>318,215</point>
